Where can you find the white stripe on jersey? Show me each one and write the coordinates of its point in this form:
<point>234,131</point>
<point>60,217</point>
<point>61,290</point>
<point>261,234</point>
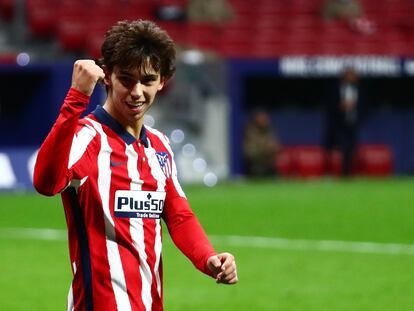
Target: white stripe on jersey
<point>161,180</point>
<point>137,230</point>
<point>158,248</point>
<point>114,258</point>
<point>80,142</point>
<point>166,143</point>
<point>156,170</point>
<point>71,305</point>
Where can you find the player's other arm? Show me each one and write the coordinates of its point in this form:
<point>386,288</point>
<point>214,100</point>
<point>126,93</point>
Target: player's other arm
<point>190,238</point>
<point>51,174</point>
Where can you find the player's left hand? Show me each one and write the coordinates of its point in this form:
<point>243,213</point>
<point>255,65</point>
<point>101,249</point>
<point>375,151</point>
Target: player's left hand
<point>224,268</point>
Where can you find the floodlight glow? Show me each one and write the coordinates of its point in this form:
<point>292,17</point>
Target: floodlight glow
<point>189,150</point>
<point>199,165</point>
<point>149,120</point>
<point>192,57</point>
<point>23,59</point>
<point>177,136</point>
<point>210,179</point>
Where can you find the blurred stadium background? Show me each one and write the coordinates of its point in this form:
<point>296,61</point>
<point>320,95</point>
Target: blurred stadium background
<point>280,55</point>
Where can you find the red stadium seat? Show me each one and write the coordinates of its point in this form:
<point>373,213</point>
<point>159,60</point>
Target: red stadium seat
<point>333,163</point>
<point>71,28</point>
<point>285,165</point>
<point>201,35</point>
<point>306,161</point>
<point>7,58</point>
<point>309,161</point>
<point>375,160</point>
<point>139,10</point>
<point>7,9</point>
<point>93,45</point>
<point>175,30</point>
<point>71,34</point>
<point>41,17</point>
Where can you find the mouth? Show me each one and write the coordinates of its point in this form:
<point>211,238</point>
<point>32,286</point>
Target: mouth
<point>136,106</point>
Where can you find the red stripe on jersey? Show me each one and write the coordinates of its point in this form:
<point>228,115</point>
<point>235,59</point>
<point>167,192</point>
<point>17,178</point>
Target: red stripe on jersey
<point>89,195</point>
<point>151,226</point>
<point>129,255</point>
<point>149,239</point>
<point>114,283</point>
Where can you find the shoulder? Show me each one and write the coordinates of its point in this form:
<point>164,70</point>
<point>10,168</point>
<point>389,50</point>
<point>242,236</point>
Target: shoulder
<point>157,137</point>
<point>85,131</point>
<point>87,124</point>
<point>159,141</point>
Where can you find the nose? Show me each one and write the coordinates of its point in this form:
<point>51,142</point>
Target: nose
<point>137,90</point>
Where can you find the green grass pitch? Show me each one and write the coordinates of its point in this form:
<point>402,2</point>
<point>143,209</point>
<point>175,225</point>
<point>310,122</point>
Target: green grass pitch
<point>35,274</point>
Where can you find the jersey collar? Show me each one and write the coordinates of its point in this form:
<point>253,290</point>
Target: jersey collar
<point>105,118</point>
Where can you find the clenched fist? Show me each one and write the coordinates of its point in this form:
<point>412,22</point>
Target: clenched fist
<point>85,75</point>
<point>224,268</point>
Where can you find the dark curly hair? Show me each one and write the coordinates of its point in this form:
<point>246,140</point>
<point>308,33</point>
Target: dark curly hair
<point>137,44</point>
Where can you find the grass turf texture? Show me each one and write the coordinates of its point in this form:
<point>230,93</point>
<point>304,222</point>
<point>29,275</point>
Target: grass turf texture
<point>35,274</point>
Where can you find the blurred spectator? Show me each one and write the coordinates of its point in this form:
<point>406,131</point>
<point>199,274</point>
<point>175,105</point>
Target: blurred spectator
<point>213,11</point>
<point>363,25</point>
<point>170,12</point>
<point>260,146</point>
<point>343,116</point>
<point>350,11</point>
<point>342,9</point>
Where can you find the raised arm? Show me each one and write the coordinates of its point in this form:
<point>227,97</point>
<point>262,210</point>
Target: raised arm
<point>51,174</point>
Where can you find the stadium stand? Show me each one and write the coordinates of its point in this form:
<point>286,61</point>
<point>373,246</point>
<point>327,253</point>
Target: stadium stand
<point>41,17</point>
<point>264,30</point>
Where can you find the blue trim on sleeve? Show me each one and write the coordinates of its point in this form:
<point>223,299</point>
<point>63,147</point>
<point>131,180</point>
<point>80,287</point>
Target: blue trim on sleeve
<point>105,118</point>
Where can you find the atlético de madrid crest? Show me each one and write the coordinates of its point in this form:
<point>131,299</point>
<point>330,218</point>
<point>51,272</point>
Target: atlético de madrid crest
<point>164,163</point>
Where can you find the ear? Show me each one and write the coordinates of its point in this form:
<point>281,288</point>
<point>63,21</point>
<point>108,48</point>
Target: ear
<point>161,85</point>
<point>107,78</point>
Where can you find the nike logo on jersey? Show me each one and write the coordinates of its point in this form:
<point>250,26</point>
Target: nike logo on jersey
<point>114,163</point>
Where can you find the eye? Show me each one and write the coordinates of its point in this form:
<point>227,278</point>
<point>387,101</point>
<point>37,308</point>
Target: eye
<point>126,81</point>
<point>148,82</point>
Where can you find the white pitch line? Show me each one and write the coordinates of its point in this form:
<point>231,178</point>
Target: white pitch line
<point>33,234</point>
<point>242,241</point>
<point>315,245</point>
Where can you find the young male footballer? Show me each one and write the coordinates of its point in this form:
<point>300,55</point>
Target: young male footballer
<point>118,179</point>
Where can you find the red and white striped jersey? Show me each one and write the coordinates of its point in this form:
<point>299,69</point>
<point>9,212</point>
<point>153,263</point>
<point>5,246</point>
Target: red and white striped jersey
<point>115,190</point>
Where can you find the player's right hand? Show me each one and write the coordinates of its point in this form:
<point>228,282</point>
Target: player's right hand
<point>85,75</point>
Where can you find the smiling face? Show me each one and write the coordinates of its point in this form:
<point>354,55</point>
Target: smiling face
<point>138,57</point>
<point>130,95</point>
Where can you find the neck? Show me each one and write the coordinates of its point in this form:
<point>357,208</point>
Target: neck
<point>134,128</point>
